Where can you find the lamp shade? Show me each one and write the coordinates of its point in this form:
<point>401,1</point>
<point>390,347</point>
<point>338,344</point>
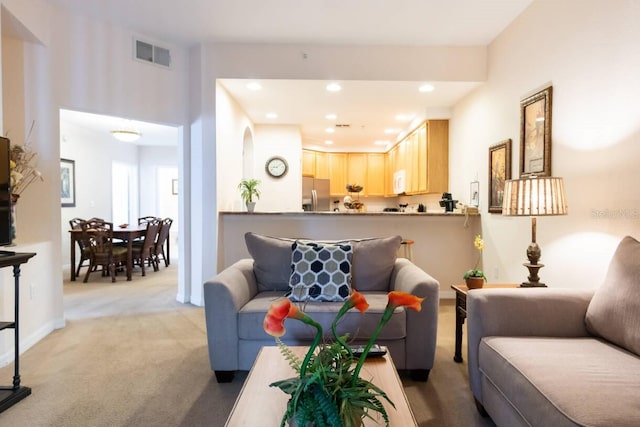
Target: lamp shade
<point>534,196</point>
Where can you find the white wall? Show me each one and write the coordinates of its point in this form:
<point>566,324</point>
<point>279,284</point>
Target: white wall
<point>588,50</point>
<point>65,61</point>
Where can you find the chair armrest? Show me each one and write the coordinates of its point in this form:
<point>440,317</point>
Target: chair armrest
<point>542,312</point>
<point>422,326</point>
<point>224,295</point>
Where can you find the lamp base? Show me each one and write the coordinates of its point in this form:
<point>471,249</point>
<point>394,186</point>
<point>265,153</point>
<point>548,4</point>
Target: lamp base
<point>534,279</point>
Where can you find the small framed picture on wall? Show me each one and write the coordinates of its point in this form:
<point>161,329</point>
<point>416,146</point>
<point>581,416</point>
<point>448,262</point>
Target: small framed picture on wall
<point>67,183</point>
<point>499,172</point>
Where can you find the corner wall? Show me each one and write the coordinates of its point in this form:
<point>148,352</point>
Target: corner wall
<point>588,50</point>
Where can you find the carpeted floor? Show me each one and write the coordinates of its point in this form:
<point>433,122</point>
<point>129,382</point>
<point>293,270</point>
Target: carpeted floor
<point>131,355</point>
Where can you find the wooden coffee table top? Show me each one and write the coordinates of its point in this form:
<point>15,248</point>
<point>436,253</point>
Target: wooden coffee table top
<point>261,405</point>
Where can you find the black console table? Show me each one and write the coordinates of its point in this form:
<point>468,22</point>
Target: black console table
<point>10,395</point>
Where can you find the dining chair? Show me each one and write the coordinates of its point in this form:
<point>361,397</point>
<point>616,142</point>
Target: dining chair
<point>99,236</point>
<point>144,250</point>
<point>145,219</point>
<point>76,224</point>
<point>163,239</point>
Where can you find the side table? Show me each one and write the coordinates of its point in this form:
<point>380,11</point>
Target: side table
<point>461,311</point>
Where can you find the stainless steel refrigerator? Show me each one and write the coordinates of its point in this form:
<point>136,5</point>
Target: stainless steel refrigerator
<point>315,194</point>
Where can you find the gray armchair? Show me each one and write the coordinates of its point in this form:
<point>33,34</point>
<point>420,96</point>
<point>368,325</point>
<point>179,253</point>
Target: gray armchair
<point>237,299</point>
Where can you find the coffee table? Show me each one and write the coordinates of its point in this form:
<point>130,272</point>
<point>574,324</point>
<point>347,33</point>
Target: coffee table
<point>261,405</point>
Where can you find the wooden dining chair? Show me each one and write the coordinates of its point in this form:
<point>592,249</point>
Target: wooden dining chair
<point>162,241</point>
<point>76,224</point>
<point>143,251</point>
<point>146,219</point>
<point>103,253</point>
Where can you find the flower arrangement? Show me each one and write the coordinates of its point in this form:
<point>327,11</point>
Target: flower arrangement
<point>23,163</point>
<point>474,272</point>
<point>328,390</point>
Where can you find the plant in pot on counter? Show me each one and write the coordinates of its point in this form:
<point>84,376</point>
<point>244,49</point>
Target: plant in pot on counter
<point>248,191</point>
<point>475,278</point>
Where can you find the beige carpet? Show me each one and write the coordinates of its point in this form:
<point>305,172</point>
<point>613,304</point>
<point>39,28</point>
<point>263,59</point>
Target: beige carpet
<point>131,355</point>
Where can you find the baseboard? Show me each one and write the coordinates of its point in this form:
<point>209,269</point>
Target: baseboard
<point>26,342</point>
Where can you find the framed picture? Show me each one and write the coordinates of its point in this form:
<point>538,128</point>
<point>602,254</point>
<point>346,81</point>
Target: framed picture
<point>499,172</point>
<point>174,186</point>
<point>474,194</point>
<point>67,183</point>
<point>535,134</point>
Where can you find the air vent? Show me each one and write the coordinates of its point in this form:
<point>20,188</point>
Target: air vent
<point>343,125</point>
<point>154,54</point>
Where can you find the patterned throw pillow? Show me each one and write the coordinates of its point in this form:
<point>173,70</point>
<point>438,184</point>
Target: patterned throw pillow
<point>320,272</point>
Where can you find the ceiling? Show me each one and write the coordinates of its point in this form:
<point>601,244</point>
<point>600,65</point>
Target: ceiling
<point>368,107</point>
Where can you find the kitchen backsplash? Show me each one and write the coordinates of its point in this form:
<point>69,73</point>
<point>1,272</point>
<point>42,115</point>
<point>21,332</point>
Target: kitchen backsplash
<point>378,204</point>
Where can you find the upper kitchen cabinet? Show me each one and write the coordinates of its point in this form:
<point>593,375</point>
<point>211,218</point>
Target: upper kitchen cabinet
<point>375,185</point>
<point>309,163</point>
<point>424,157</point>
<point>337,163</point>
<point>322,165</point>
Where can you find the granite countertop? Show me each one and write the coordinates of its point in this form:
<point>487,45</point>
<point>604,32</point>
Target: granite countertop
<point>423,214</point>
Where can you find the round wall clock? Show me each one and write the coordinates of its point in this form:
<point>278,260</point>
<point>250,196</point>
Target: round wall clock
<point>277,167</point>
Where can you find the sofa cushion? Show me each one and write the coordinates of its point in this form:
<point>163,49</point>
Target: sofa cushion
<point>372,262</point>
<point>562,381</point>
<point>359,326</point>
<point>614,310</point>
<point>320,272</point>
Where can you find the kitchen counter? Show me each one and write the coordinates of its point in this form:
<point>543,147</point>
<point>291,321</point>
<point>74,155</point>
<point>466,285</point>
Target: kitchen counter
<point>443,242</point>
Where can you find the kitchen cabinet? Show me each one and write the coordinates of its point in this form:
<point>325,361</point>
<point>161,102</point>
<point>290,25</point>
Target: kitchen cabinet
<point>357,170</point>
<point>375,185</point>
<point>322,165</point>
<point>308,163</point>
<point>337,163</point>
<point>424,155</point>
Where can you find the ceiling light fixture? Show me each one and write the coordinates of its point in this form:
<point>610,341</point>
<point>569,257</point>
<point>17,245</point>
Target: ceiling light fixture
<point>254,86</point>
<point>330,130</point>
<point>334,87</point>
<point>126,135</point>
<point>272,116</point>
<point>331,116</point>
<point>426,88</point>
<point>328,142</point>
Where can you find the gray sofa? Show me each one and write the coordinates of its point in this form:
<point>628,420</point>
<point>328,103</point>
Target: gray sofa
<point>237,299</point>
<point>559,357</point>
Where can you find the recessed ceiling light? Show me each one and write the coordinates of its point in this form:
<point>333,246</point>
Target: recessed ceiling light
<point>328,142</point>
<point>331,117</point>
<point>254,86</point>
<point>272,116</point>
<point>334,87</point>
<point>426,88</point>
<point>329,130</point>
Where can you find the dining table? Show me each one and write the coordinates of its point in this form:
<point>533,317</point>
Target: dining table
<point>128,234</point>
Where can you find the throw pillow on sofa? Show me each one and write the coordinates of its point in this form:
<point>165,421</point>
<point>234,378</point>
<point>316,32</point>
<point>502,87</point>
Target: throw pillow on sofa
<point>614,310</point>
<point>320,272</point>
<point>372,263</point>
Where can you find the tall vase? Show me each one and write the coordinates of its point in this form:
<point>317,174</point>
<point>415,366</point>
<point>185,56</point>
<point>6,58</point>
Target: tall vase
<point>14,202</point>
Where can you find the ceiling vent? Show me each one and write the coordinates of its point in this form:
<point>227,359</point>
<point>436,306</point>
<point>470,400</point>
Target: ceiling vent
<point>343,125</point>
<point>147,52</point>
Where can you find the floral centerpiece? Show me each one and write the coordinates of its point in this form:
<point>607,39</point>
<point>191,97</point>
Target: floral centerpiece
<point>23,162</point>
<point>328,390</point>
<point>475,278</point>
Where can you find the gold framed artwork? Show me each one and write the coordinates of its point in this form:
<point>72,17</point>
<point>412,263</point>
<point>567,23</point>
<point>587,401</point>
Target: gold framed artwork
<point>535,134</point>
<point>499,172</point>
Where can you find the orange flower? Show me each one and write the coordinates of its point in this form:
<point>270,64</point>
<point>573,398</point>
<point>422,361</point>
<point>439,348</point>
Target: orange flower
<point>358,301</point>
<point>278,311</point>
<point>397,299</point>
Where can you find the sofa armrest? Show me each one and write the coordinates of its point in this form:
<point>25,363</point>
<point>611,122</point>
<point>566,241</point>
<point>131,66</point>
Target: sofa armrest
<point>422,326</point>
<point>224,295</point>
<point>542,312</point>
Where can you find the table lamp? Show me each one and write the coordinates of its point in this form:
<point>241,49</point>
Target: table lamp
<point>534,196</point>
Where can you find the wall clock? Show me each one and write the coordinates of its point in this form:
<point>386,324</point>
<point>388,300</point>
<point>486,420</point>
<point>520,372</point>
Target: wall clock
<point>277,167</point>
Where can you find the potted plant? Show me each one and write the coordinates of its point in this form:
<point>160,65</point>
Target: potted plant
<point>248,190</point>
<point>475,278</point>
<point>328,389</point>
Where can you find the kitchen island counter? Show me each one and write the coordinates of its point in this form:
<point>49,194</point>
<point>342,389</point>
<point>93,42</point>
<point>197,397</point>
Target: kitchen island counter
<point>443,242</point>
